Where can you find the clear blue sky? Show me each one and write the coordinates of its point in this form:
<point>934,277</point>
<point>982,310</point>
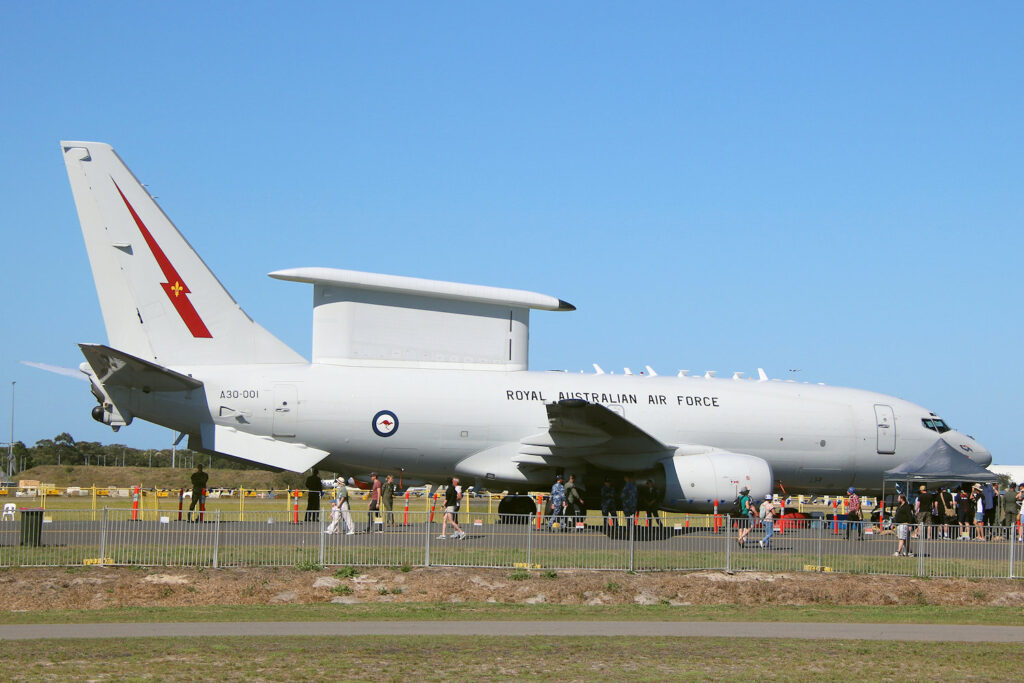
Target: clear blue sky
<point>834,188</point>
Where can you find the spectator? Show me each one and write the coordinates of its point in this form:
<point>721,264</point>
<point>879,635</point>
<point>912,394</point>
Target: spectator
<point>573,501</point>
<point>199,479</point>
<point>999,505</point>
<point>1020,513</point>
<point>340,509</point>
<point>451,501</point>
<point>314,490</point>
<point>923,508</point>
<point>387,497</point>
<point>768,520</point>
<point>978,504</point>
<point>375,488</point>
<point>903,518</point>
<point>988,496</point>
<point>853,515</point>
<point>964,515</point>
<point>748,515</point>
<point>651,499</point>
<point>557,504</point>
<point>947,511</point>
<point>609,509</point>
<point>629,496</point>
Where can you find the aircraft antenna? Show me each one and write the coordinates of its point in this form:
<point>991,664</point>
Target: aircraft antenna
<point>650,371</point>
<point>597,369</point>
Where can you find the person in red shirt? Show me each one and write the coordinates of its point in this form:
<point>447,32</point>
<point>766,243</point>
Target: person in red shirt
<point>853,515</point>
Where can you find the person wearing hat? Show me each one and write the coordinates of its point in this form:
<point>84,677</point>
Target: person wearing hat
<point>853,514</point>
<point>768,520</point>
<point>978,510</point>
<point>340,509</point>
<point>746,505</point>
<point>557,504</point>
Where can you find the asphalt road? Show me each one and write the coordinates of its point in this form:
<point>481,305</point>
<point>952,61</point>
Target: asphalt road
<point>682,629</point>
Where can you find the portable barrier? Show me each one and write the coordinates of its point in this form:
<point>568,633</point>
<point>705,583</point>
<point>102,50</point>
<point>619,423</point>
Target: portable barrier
<point>231,538</point>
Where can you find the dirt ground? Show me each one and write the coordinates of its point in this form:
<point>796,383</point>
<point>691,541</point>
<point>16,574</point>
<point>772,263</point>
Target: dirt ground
<point>94,588</point>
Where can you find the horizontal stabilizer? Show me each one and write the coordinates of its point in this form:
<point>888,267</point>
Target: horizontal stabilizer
<point>117,368</point>
<point>281,455</point>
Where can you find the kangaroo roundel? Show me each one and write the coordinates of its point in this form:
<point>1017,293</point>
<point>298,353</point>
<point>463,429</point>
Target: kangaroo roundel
<point>385,423</point>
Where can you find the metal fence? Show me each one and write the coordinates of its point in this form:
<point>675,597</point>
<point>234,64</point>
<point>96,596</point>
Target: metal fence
<point>665,543</point>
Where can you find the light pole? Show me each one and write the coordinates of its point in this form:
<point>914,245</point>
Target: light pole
<point>10,444</point>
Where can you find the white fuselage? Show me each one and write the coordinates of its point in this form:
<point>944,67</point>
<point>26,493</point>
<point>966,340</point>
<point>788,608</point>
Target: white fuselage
<point>816,438</point>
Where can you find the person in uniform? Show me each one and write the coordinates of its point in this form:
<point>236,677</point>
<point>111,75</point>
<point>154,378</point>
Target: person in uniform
<point>609,508</point>
<point>314,491</point>
<point>387,496</point>
<point>573,501</point>
<point>629,495</point>
<point>651,497</point>
<point>199,479</point>
<point>557,504</point>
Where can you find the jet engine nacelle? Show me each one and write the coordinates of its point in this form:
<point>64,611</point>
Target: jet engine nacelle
<point>694,482</point>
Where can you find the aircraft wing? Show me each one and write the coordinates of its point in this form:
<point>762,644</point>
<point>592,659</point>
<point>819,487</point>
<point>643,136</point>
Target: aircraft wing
<point>276,454</point>
<point>591,432</point>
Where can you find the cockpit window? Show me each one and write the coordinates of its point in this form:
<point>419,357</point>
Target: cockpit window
<point>936,423</point>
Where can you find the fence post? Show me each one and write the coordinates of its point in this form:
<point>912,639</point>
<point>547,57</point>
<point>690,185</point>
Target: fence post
<point>103,538</point>
<point>631,522</point>
<point>921,546</point>
<point>1013,540</point>
<point>322,539</point>
<point>216,539</point>
<point>821,536</point>
<point>529,542</point>
<point>427,526</point>
<point>728,543</point>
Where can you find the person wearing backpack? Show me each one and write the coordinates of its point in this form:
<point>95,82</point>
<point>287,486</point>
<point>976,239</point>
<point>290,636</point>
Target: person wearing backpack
<point>747,515</point>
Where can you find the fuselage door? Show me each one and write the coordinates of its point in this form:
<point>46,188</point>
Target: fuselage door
<point>286,409</point>
<point>886,421</point>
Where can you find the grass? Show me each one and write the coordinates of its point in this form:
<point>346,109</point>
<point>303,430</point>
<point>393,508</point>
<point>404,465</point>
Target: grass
<point>469,611</point>
<point>489,657</point>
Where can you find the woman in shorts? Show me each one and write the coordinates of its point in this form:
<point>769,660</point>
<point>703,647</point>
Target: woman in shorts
<point>978,505</point>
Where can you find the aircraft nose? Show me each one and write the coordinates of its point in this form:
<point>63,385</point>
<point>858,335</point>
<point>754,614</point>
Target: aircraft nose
<point>969,447</point>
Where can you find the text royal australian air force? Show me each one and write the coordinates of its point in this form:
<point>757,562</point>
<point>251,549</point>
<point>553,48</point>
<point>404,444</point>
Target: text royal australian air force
<point>607,398</point>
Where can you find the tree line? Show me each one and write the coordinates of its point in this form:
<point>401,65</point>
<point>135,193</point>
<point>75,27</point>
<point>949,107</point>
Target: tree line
<point>64,450</point>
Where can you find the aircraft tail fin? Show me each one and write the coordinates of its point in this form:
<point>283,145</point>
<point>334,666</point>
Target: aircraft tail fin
<point>160,302</point>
